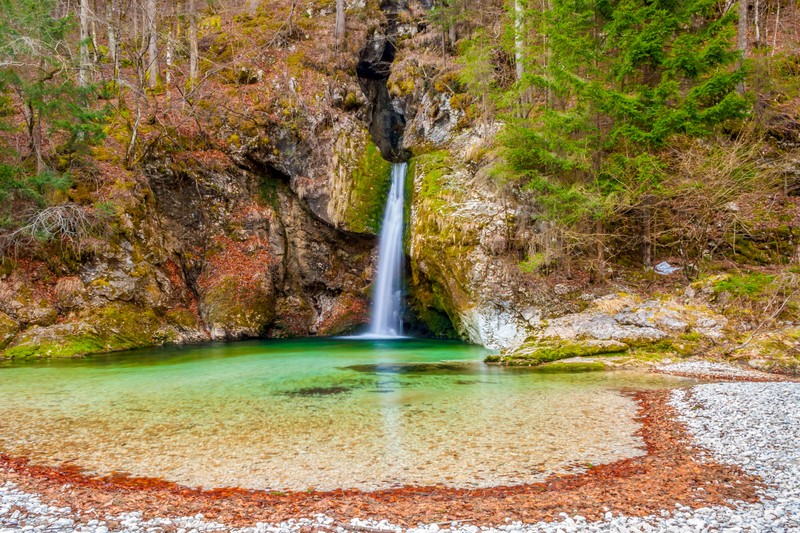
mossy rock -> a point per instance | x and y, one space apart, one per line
349 312
8 329
564 367
182 318
28 308
371 180
62 340
107 329
776 351
294 317
536 352
233 308
765 247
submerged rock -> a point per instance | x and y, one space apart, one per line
318 391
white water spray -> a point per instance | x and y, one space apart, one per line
387 319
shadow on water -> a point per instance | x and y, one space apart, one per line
415 368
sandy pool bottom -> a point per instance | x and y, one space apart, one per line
318 414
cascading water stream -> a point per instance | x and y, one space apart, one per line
387 320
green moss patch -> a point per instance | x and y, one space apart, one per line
745 285
432 167
429 309
183 318
371 182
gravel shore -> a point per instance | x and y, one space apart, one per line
716 371
752 425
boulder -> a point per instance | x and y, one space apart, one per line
535 351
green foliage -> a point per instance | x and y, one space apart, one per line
446 14
38 66
16 184
109 209
477 68
607 84
268 191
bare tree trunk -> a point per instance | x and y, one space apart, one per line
192 43
152 44
93 32
83 74
135 9
134 135
647 231
34 135
111 23
172 34
519 37
290 21
741 41
444 46
139 39
339 29
39 136
775 33
757 25
601 252
741 38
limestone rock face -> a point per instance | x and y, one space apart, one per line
19 301
214 252
459 227
613 324
633 321
359 183
261 262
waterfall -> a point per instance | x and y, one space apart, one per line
387 320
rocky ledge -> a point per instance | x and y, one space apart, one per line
615 324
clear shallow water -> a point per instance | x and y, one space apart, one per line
321 413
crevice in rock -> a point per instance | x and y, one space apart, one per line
374 68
